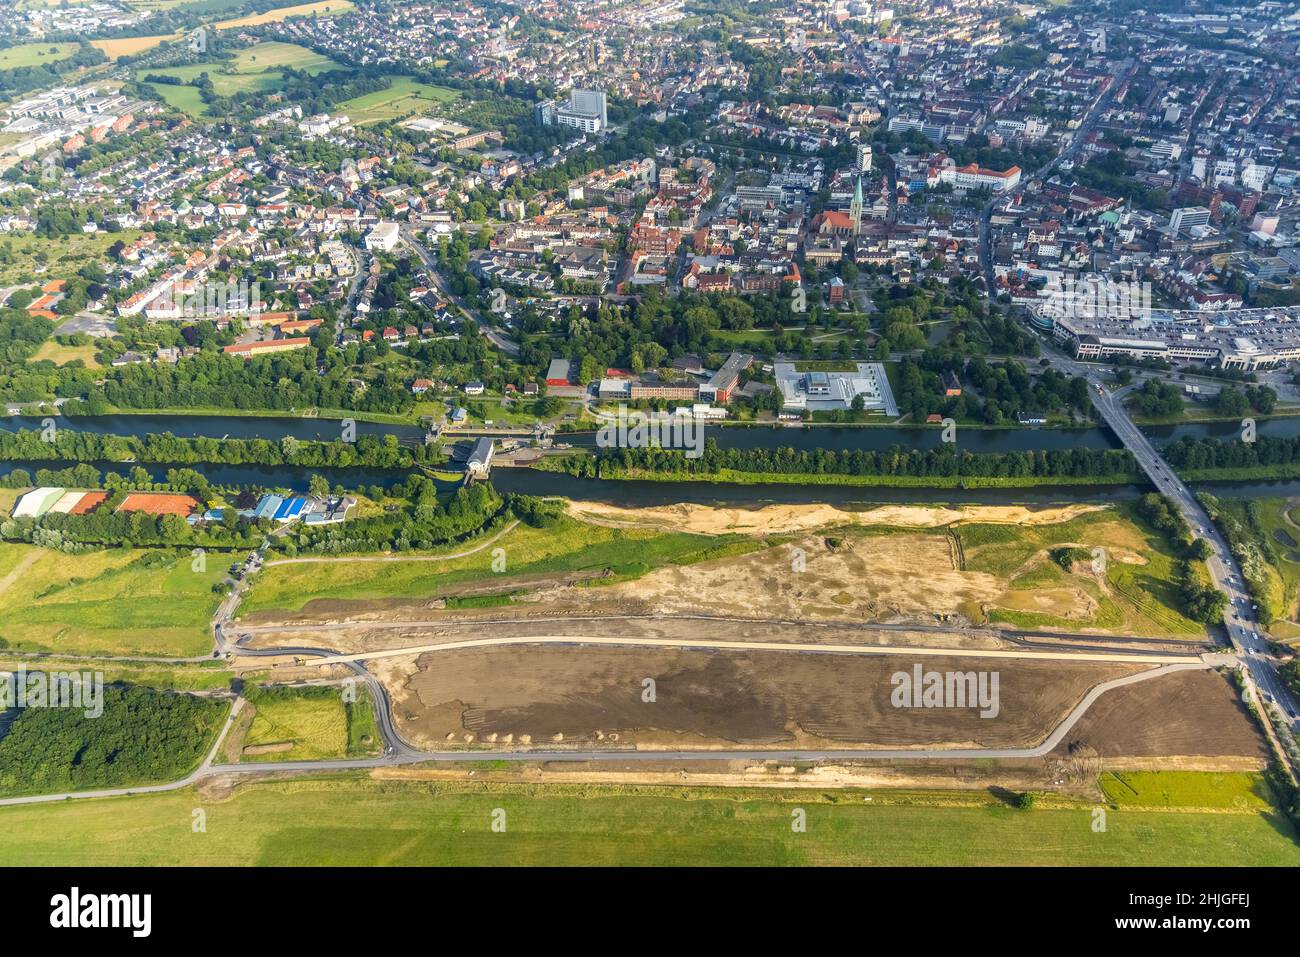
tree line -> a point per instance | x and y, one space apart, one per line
69 445
919 463
1194 454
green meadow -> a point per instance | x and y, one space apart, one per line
568 546
347 819
114 601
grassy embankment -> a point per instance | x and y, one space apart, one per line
568 546
1134 592
734 477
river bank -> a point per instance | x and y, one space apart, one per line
734 477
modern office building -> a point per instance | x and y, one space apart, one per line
586 110
1187 218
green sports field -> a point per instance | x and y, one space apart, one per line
349 820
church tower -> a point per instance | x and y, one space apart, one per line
855 208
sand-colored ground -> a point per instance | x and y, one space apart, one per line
783 519
130 46
373 636
908 577
857 578
969 775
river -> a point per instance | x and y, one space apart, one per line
633 494
839 438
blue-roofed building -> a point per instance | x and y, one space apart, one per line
290 509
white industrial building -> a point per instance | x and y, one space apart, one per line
819 391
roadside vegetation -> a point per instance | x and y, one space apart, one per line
1265 539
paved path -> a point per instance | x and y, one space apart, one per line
419 757
709 644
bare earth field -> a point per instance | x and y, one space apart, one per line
594 695
873 578
892 577
931 566
1192 714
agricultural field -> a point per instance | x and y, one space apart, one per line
406 97
1173 789
591 696
117 601
272 54
185 99
318 9
119 47
35 54
296 724
130 46
352 820
568 547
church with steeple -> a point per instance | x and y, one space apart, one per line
855 208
